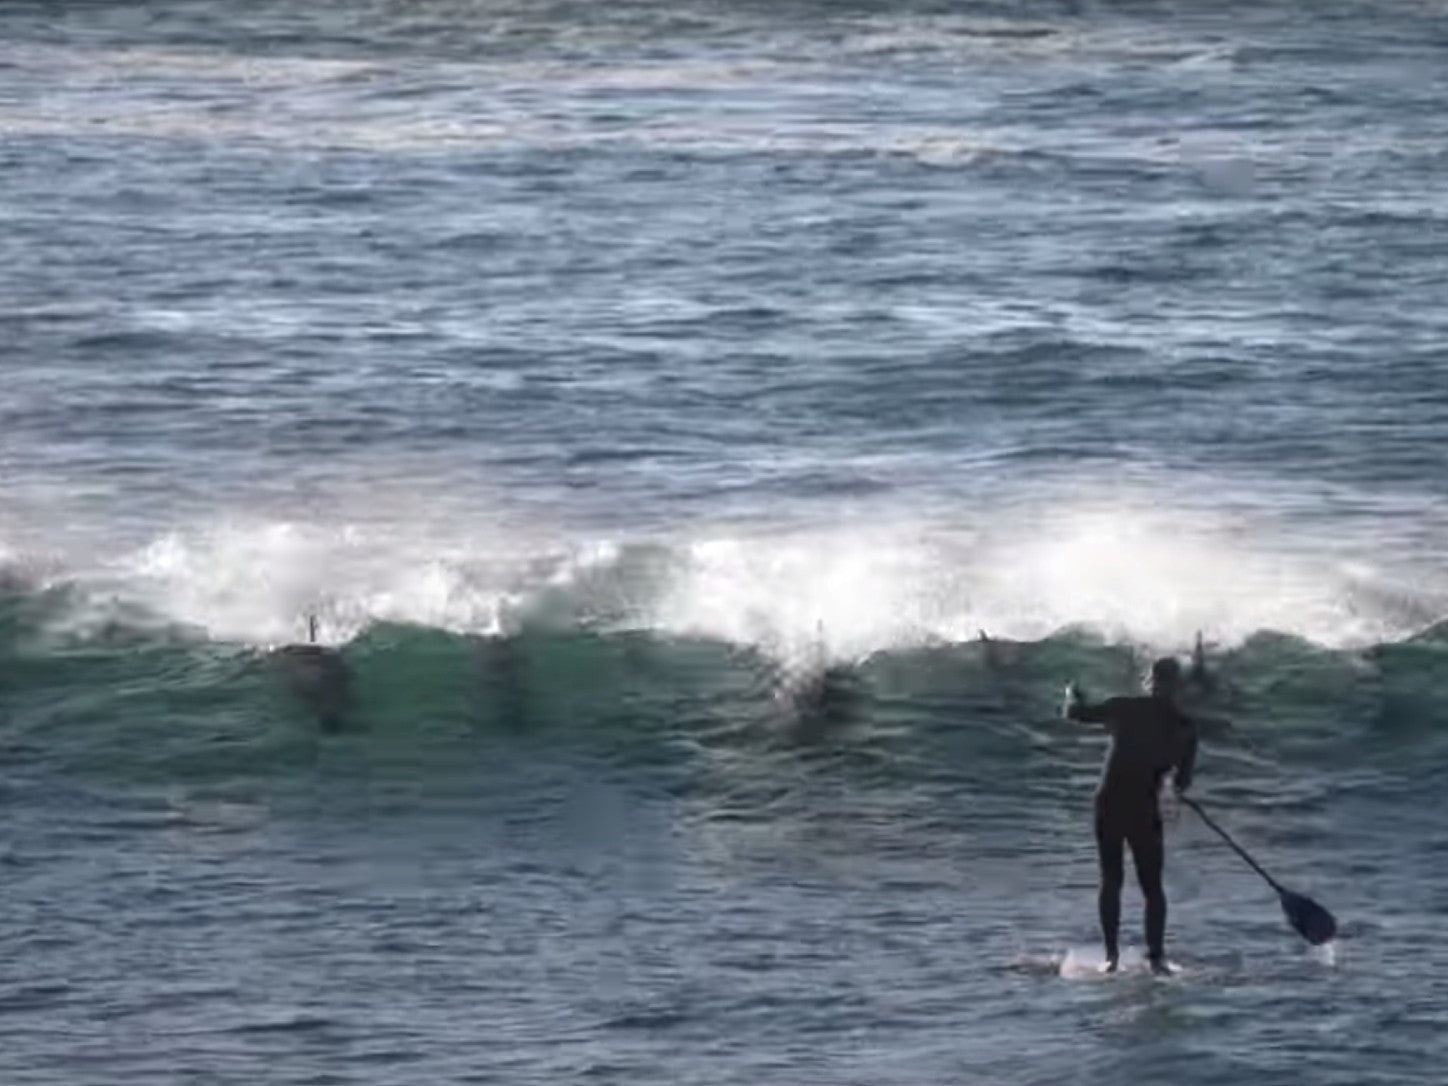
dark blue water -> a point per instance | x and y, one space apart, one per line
596 374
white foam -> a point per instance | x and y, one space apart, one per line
1089 963
848 593
253 581
1131 571
1157 575
1135 571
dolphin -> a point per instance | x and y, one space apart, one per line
819 695
318 677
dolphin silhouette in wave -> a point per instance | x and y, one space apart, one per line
319 678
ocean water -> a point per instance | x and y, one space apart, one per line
600 377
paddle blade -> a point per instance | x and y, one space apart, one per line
1312 921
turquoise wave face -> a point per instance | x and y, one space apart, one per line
162 704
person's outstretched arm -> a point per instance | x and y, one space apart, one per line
1076 708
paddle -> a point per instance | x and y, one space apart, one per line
1311 920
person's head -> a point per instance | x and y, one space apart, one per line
1166 676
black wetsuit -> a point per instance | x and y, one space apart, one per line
1149 737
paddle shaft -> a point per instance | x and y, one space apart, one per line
1238 849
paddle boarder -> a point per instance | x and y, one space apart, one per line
1150 736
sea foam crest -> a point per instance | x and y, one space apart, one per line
1153 577
1140 574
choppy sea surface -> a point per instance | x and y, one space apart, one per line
652 402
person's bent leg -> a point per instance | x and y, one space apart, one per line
1110 854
